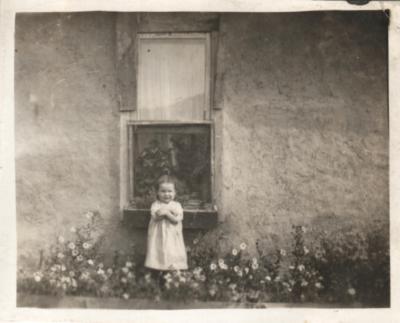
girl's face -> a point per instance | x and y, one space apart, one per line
166 192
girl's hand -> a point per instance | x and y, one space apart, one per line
160 215
171 217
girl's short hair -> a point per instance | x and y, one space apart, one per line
165 179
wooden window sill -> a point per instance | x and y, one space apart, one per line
192 219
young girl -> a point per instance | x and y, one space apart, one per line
165 245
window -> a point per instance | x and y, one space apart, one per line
182 151
172 132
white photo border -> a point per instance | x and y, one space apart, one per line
8 309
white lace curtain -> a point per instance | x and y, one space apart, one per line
172 78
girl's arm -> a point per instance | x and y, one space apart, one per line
176 214
155 211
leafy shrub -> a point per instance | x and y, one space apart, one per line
333 267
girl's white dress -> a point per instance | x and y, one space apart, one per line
165 244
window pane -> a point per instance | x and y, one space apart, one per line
172 79
180 151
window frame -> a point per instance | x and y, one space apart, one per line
208 118
131 151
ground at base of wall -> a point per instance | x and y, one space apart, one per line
46 301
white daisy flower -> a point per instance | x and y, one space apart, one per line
37 277
86 245
212 291
351 291
301 267
318 285
304 283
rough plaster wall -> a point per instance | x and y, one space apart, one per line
305 137
67 135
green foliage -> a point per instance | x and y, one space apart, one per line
350 266
193 158
191 169
152 163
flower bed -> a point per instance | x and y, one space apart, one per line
346 267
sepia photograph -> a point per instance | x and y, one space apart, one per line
202 160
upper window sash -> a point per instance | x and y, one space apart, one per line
173 80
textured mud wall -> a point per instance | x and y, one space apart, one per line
67 124
305 134
304 122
